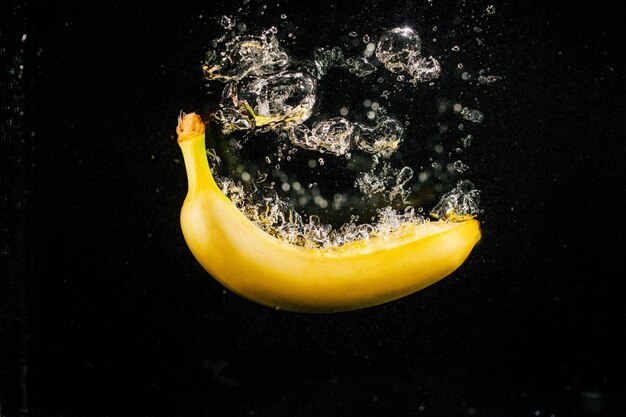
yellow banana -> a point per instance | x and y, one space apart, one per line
269 271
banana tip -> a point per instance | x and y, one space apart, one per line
189 125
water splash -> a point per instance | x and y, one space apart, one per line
241 56
278 218
274 101
328 136
267 90
459 204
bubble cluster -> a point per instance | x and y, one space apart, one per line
276 100
329 136
261 92
400 50
461 203
266 90
278 218
383 179
241 56
475 116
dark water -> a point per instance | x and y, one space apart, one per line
103 310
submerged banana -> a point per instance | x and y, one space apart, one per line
269 271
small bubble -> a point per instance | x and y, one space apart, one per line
283 16
227 22
365 38
400 78
353 34
321 161
487 79
460 66
467 140
475 116
459 166
456 48
268 160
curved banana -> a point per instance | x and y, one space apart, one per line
269 271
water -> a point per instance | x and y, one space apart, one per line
277 103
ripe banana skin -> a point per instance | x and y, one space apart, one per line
269 271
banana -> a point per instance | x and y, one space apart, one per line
275 273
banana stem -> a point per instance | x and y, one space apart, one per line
191 141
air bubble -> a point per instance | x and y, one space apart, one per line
459 166
459 204
382 139
475 116
488 79
399 50
227 22
234 59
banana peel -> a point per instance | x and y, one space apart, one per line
277 274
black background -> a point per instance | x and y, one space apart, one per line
105 312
